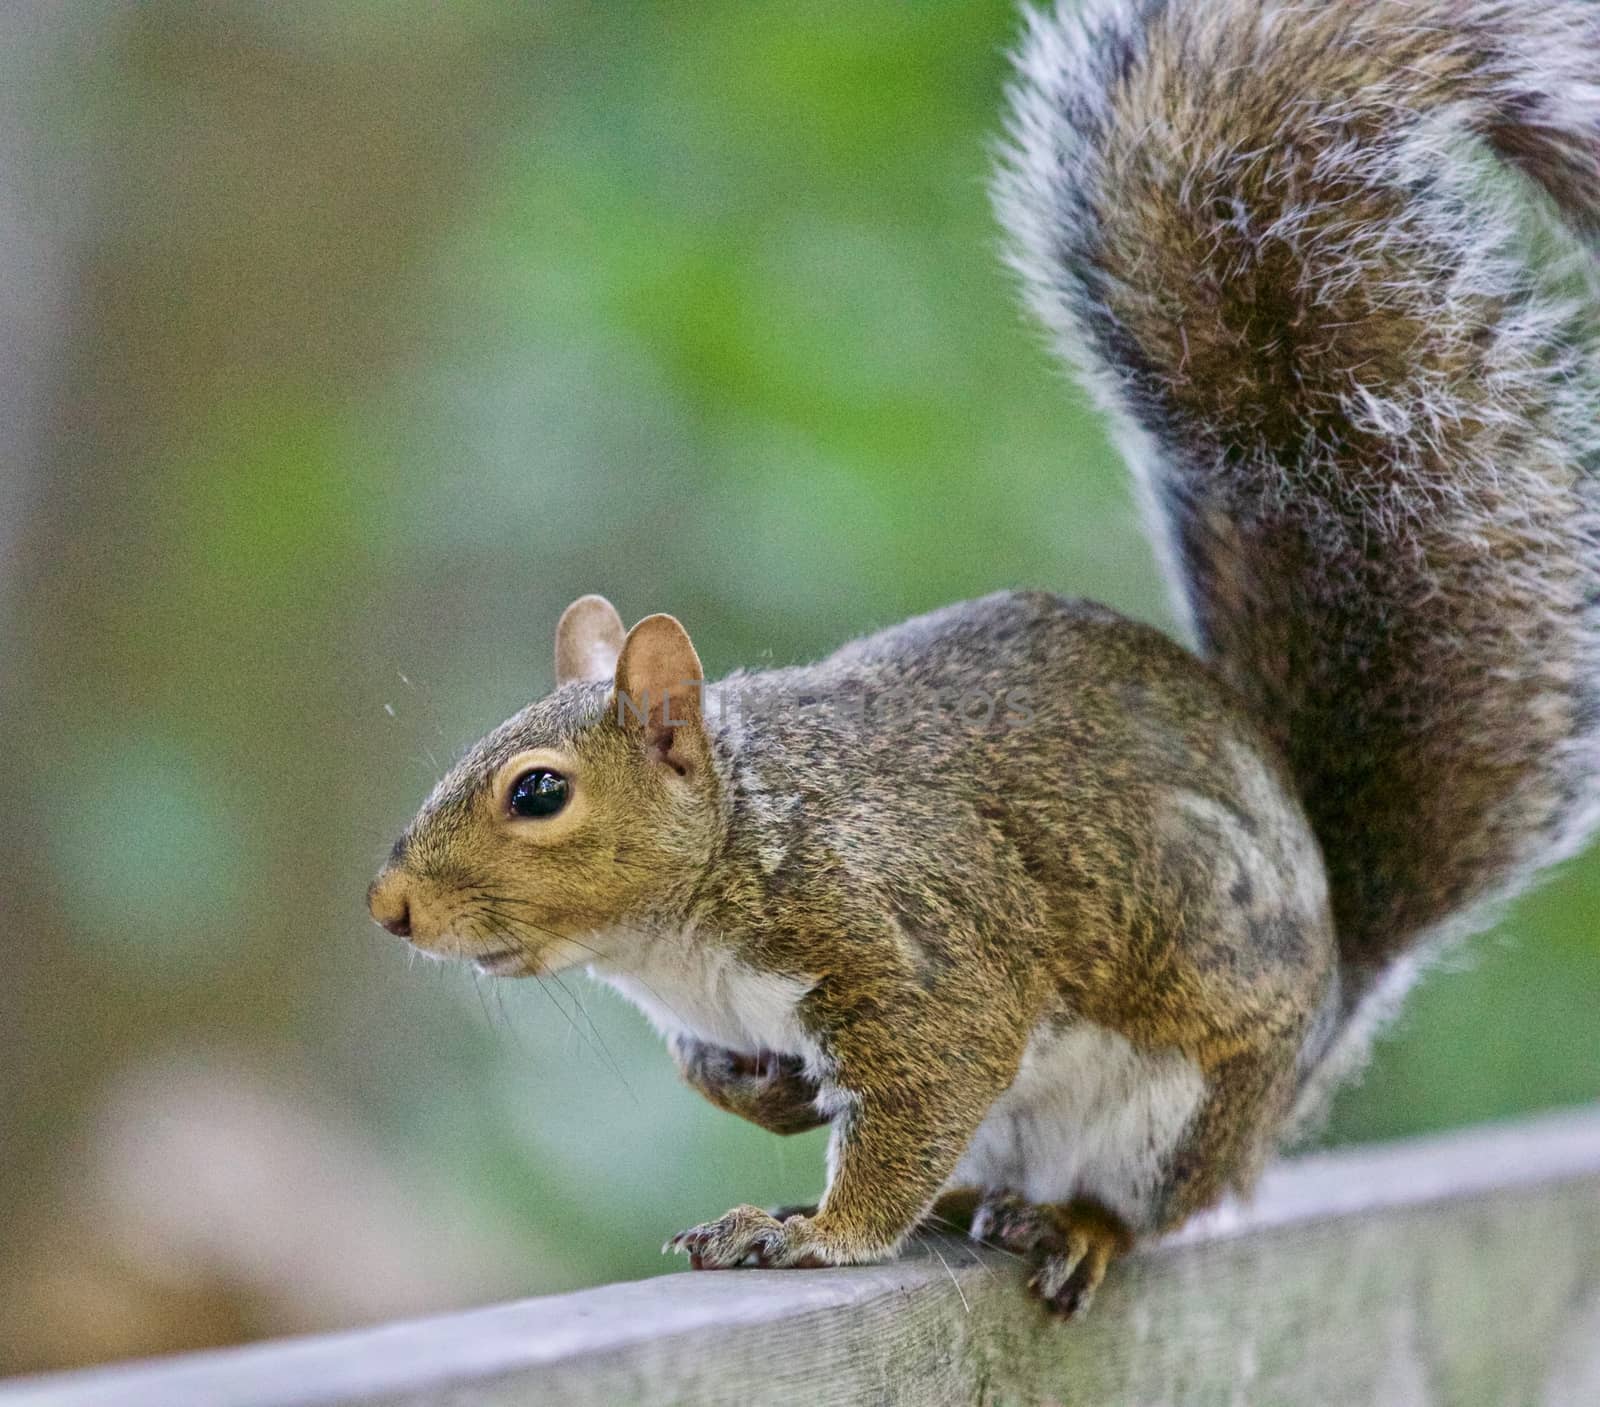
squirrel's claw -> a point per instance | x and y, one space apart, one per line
1013 1224
748 1235
1072 1242
1066 1281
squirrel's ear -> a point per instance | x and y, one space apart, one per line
588 641
658 686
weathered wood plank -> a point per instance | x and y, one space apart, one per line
1458 1270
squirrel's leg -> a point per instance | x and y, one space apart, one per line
774 1093
889 1163
1231 1136
1073 1243
1222 1150
900 1130
771 1091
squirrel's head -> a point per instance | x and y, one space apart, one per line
561 835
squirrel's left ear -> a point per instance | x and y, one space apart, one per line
588 641
658 687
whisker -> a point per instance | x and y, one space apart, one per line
477 986
427 704
478 917
946 1264
491 904
963 1233
583 1037
498 988
629 972
578 1002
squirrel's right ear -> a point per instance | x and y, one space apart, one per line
589 638
658 692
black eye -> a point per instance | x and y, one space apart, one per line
540 792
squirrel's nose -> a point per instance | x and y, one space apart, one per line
388 904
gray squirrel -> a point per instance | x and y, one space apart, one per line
1070 967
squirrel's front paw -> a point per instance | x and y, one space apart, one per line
771 1091
748 1235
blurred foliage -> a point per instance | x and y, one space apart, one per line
384 331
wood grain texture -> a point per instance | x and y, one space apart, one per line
1459 1270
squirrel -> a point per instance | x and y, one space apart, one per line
1060 926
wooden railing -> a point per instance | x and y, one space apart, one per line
1457 1270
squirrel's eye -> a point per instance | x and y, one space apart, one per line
540 792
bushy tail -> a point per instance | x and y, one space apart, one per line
1366 431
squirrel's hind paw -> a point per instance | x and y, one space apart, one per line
1065 1282
1013 1224
1073 1243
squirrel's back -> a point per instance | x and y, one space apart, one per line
1367 433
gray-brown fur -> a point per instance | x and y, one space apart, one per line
1369 439
1060 944
1076 826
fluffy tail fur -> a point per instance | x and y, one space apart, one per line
1366 431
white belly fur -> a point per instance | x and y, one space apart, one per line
702 990
1089 1115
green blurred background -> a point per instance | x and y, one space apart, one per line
341 344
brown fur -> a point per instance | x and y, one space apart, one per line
1368 439
1370 436
936 893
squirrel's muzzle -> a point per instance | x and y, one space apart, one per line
389 903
